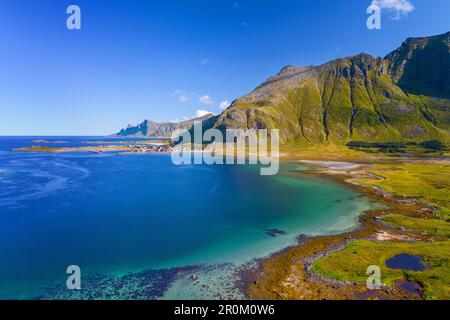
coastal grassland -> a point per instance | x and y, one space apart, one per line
427 182
428 226
415 192
351 263
322 152
38 149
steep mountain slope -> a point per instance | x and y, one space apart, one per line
422 66
151 129
403 97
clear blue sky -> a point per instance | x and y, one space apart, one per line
134 60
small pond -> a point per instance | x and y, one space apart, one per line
406 262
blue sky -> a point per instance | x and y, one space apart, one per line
165 60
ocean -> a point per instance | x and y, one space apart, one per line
139 227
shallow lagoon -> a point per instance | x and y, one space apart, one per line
115 214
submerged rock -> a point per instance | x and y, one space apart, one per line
275 232
194 277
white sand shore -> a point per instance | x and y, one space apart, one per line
334 165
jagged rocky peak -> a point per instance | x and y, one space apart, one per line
292 70
352 66
151 129
366 61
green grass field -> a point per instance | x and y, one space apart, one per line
429 226
351 264
429 183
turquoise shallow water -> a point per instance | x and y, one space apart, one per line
115 214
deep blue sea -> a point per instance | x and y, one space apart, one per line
123 217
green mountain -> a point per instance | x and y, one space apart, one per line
402 97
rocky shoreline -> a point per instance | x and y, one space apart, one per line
288 275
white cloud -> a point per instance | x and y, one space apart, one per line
398 7
224 104
181 95
177 92
204 61
201 113
183 98
206 100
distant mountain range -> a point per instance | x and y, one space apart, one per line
402 97
151 129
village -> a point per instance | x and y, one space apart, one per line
150 148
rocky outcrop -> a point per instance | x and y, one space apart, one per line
151 129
